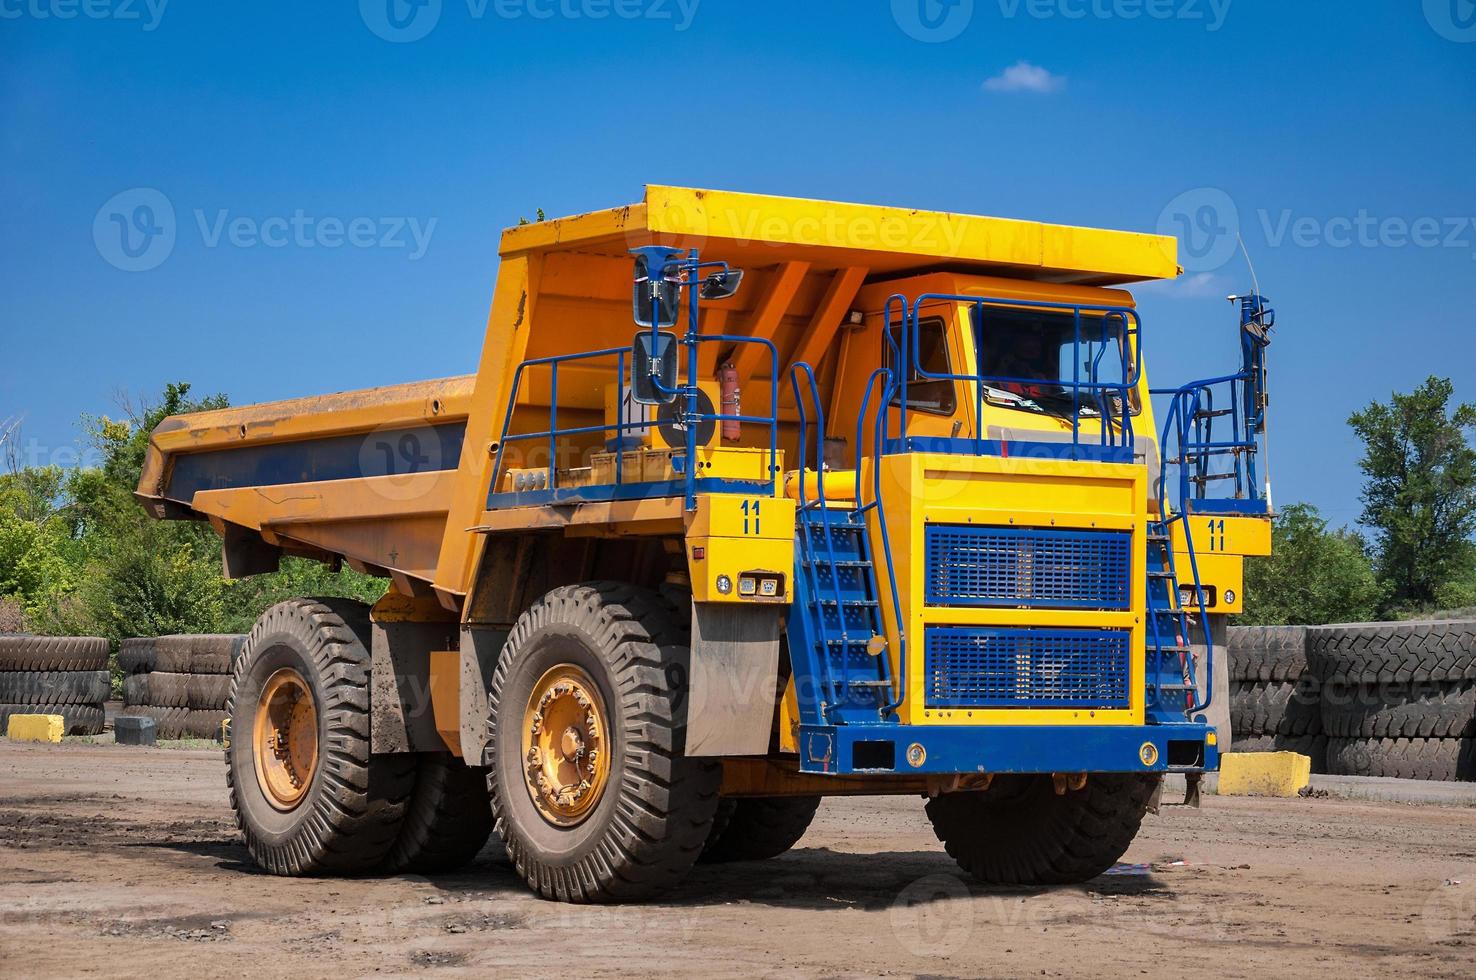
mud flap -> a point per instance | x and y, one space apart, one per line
734 684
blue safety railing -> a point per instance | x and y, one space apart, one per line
691 417
855 518
1199 457
1107 326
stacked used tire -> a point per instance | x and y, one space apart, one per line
54 675
181 681
1398 699
1275 703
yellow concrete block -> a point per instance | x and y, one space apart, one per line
1264 773
36 728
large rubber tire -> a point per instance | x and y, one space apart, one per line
20 652
136 655
1435 710
1020 832
168 722
448 820
77 719
758 828
208 692
1446 759
204 724
1267 653
648 827
354 804
162 689
1313 747
54 686
1275 708
206 653
1393 653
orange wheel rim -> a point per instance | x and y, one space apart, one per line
285 736
566 745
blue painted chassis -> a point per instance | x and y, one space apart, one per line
829 749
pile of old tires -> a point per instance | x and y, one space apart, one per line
181 681
1398 699
1275 703
54 675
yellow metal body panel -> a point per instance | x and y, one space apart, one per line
731 536
1221 545
919 489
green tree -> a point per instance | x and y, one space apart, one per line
1419 494
1312 576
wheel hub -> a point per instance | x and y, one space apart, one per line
565 745
285 737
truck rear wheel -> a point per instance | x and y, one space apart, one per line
1021 832
758 828
309 796
447 821
591 791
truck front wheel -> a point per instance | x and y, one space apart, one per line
1020 831
309 796
591 792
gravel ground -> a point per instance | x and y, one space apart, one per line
124 862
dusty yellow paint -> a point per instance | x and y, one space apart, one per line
1263 773
36 728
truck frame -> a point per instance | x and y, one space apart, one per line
895 517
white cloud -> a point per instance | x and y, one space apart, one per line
1022 76
1198 286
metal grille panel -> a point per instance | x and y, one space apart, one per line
975 565
1001 667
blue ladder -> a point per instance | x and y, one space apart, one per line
1170 667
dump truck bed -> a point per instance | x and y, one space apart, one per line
395 480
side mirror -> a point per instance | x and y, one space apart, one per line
653 359
721 285
655 301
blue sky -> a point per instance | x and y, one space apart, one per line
1338 137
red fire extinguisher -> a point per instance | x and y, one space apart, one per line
727 377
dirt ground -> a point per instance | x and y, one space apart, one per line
124 862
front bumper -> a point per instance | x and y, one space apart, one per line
943 749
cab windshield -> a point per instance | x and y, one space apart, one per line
1027 359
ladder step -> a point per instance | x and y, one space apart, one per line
838 563
877 684
1177 687
1213 413
1159 538
1213 476
850 603
847 643
1160 573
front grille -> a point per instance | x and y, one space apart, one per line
976 565
1007 667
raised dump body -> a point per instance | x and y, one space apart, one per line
895 516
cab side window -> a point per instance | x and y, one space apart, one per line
936 397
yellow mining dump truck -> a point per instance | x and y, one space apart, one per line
681 559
